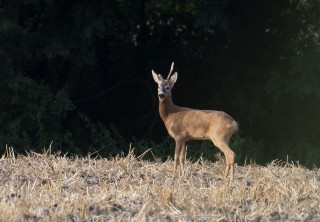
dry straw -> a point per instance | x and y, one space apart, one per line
50 187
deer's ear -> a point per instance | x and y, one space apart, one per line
157 78
173 78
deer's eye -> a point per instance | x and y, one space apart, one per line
167 87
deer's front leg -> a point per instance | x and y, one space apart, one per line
182 156
177 151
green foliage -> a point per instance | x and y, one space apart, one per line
105 141
32 115
303 152
259 62
211 16
247 149
162 150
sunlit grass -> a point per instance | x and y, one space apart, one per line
49 187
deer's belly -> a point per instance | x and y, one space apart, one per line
188 134
196 135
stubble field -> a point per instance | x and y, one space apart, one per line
48 187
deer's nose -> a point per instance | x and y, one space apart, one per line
161 95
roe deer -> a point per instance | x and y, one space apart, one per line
190 124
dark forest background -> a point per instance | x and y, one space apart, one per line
78 73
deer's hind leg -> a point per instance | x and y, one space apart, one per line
229 154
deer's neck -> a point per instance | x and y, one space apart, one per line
166 107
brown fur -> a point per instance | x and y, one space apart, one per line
185 124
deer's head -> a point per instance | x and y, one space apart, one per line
165 85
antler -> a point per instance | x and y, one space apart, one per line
171 69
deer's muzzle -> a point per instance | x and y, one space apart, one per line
161 95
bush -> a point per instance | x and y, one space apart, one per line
31 114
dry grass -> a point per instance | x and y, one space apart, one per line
46 187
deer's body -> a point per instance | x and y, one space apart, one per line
185 124
192 124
